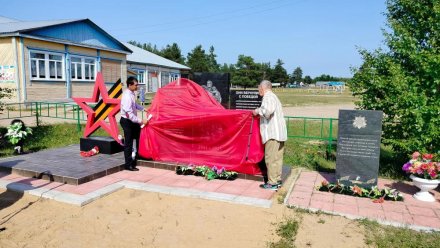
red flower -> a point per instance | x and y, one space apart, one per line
380 200
427 156
324 183
357 190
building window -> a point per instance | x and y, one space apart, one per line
165 79
140 76
174 77
47 66
83 68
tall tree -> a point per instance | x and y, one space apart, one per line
213 66
279 74
404 80
326 78
265 71
297 75
173 53
308 80
246 73
198 60
146 46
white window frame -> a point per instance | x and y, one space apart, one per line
142 80
46 66
84 66
174 76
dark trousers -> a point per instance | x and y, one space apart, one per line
131 131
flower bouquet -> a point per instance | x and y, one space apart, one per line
425 173
422 166
207 172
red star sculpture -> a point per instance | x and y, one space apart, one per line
108 106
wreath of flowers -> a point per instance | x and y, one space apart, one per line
378 195
92 152
207 172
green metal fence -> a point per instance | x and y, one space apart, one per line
59 110
324 129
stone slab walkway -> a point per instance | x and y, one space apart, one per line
239 191
410 213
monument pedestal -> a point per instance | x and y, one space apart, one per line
106 145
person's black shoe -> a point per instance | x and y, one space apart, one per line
132 169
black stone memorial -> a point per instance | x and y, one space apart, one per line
216 84
358 150
245 99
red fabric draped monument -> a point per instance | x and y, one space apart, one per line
189 126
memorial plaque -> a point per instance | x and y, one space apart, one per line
245 99
358 150
216 84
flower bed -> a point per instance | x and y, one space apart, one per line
378 195
207 172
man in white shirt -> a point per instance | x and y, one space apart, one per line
273 134
130 122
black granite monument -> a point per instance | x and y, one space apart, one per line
245 99
358 150
106 145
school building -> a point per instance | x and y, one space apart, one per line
57 60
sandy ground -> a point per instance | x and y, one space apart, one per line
130 218
324 111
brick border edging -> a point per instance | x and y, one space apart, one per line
357 217
289 192
81 200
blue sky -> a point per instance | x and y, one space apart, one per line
320 36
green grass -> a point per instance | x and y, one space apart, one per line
47 136
287 231
307 97
380 236
311 154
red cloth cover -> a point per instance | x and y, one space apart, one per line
189 126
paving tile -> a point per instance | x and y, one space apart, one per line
299 202
303 188
229 189
372 213
345 209
394 216
433 222
391 206
300 194
106 180
164 181
437 211
183 183
328 197
208 186
420 211
257 192
305 182
368 203
321 205
308 175
345 199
